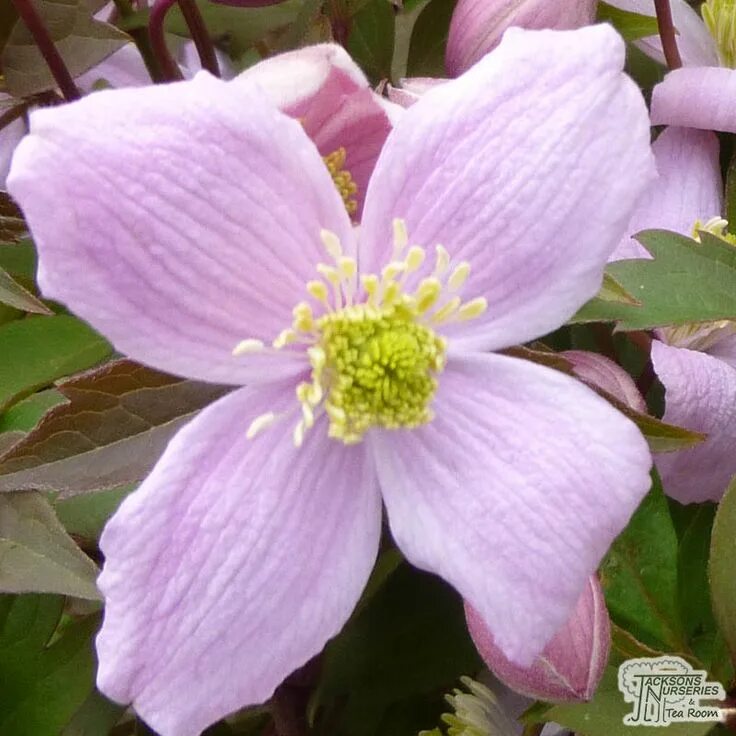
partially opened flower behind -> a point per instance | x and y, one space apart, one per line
696 363
702 93
199 229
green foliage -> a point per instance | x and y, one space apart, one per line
429 39
388 669
721 570
639 576
39 350
371 39
82 41
632 26
116 423
686 282
45 674
36 553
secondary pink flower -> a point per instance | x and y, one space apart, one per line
696 363
703 93
688 188
194 223
326 91
571 665
478 25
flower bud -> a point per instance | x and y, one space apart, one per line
571 665
477 25
603 373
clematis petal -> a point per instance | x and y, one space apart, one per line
477 25
696 97
700 394
530 176
514 492
233 564
725 349
689 188
178 220
696 45
327 92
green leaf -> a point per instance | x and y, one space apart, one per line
662 437
12 293
22 417
722 567
410 641
613 291
86 515
429 40
96 717
603 716
36 553
12 225
695 605
39 350
237 28
632 26
686 282
639 576
82 41
42 683
117 422
371 40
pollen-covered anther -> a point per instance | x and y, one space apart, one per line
717 226
343 179
375 363
719 17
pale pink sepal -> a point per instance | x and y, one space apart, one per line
571 665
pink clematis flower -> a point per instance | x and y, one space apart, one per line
477 26
326 91
696 363
124 68
198 228
702 93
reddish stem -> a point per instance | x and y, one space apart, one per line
202 40
197 29
48 50
668 34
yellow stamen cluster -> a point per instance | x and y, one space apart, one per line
343 179
373 350
476 712
720 19
715 226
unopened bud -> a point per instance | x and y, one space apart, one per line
477 25
603 373
571 665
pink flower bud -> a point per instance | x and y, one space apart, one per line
248 3
477 25
571 665
603 373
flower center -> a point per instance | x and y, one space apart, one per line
720 19
343 179
374 353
